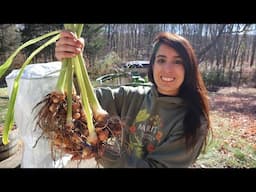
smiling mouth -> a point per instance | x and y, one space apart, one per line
168 79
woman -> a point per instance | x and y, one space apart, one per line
166 125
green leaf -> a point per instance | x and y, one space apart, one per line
4 67
10 113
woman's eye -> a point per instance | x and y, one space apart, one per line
178 62
160 61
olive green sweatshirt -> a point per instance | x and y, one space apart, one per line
153 134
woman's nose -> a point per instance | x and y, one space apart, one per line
169 66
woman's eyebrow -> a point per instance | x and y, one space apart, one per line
176 56
160 56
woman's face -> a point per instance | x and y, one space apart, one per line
168 70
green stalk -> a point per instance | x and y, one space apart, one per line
98 112
79 29
62 77
10 113
69 83
92 138
69 80
4 67
85 98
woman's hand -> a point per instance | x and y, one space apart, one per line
68 45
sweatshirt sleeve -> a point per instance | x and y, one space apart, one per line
123 101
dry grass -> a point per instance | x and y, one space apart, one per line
233 116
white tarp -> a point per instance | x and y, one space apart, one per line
37 81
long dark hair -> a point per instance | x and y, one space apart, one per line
192 90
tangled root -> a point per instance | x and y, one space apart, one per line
73 138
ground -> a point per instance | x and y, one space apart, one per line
233 117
